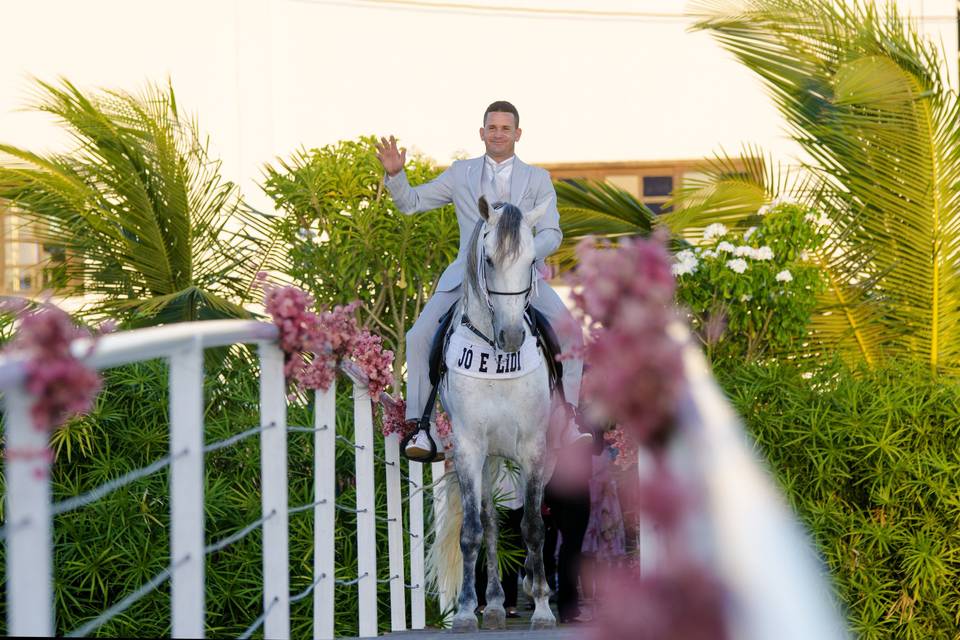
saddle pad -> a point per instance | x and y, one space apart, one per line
470 356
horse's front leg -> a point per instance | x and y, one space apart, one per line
469 473
494 615
535 580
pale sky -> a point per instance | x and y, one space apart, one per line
267 76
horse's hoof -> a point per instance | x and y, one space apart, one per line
494 618
542 622
465 624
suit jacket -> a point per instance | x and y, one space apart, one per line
460 184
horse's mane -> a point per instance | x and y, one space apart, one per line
473 256
508 246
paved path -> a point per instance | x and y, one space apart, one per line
517 629
560 633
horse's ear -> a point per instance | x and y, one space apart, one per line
533 216
484 209
490 215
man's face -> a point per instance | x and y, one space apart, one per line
499 135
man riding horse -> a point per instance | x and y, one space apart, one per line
500 177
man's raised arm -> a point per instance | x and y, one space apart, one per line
409 199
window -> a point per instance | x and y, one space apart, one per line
23 261
650 182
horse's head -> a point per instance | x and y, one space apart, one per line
507 264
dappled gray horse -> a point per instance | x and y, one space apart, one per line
493 415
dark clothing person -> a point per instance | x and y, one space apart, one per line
569 514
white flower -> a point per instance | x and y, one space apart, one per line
763 253
686 262
746 297
725 246
806 375
784 276
810 217
805 255
749 232
764 210
714 230
709 253
363 204
742 251
739 265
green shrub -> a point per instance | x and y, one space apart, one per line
870 459
749 294
347 241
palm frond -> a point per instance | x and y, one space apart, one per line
861 90
598 209
139 206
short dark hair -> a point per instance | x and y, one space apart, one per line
502 106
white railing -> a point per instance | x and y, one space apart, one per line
29 511
777 585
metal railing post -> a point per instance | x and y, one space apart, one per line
29 543
366 516
186 491
324 489
273 469
418 618
398 593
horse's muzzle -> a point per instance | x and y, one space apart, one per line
510 340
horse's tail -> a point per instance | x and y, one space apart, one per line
444 560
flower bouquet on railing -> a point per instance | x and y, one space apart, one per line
60 383
624 295
317 345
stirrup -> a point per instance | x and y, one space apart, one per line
418 446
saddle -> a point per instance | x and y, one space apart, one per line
541 330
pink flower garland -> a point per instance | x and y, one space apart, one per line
625 296
316 344
63 387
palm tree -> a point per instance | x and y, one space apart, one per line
150 230
862 94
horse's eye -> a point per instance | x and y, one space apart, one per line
489 262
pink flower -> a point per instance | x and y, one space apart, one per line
339 330
376 362
444 429
685 604
627 293
318 374
62 385
394 417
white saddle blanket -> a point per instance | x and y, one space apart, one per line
471 356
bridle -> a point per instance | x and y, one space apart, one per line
487 291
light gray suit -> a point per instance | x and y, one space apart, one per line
460 184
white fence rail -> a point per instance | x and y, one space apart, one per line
28 529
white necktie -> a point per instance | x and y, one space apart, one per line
495 183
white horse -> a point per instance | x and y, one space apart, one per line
495 417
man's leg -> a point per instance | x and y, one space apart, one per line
568 333
419 339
